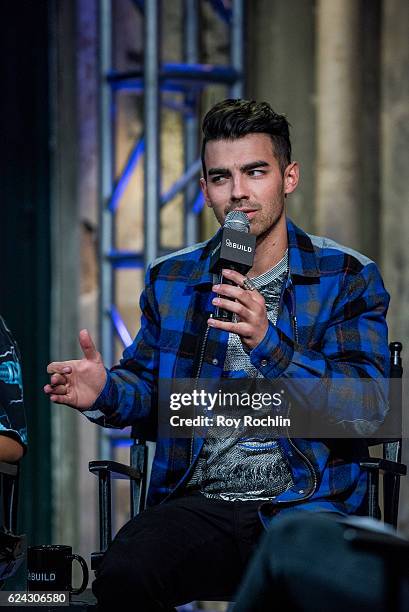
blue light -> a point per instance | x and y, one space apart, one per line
177 77
120 327
126 259
120 442
181 183
223 9
198 203
127 171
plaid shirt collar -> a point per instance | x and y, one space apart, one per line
301 257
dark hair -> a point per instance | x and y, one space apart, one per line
231 119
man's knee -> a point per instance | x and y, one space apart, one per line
123 580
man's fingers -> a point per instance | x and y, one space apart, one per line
234 276
57 367
240 328
246 305
57 390
238 293
245 294
224 325
58 379
237 307
234 292
88 346
59 399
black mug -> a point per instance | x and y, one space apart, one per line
49 568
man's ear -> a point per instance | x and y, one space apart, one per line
291 177
203 187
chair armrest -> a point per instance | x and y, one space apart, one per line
118 470
106 470
391 467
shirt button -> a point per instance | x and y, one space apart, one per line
301 491
215 361
264 362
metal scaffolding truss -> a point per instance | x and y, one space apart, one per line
190 79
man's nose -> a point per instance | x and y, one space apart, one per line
239 190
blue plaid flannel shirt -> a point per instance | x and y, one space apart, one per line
331 326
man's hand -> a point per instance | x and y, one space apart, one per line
249 306
78 382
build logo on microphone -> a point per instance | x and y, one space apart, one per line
239 247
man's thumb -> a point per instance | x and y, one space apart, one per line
87 345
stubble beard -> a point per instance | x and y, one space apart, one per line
267 220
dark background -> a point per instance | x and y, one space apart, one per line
25 235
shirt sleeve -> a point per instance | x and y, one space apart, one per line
347 378
12 415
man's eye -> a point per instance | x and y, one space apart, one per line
218 179
256 172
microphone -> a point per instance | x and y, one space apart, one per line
234 251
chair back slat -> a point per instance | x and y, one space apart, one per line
392 449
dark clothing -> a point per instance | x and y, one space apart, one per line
12 416
185 549
310 564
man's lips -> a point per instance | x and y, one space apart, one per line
250 212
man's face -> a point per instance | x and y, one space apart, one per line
243 174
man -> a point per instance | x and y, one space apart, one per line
315 311
312 562
13 431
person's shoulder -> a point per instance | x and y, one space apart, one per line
333 255
190 253
356 271
180 264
